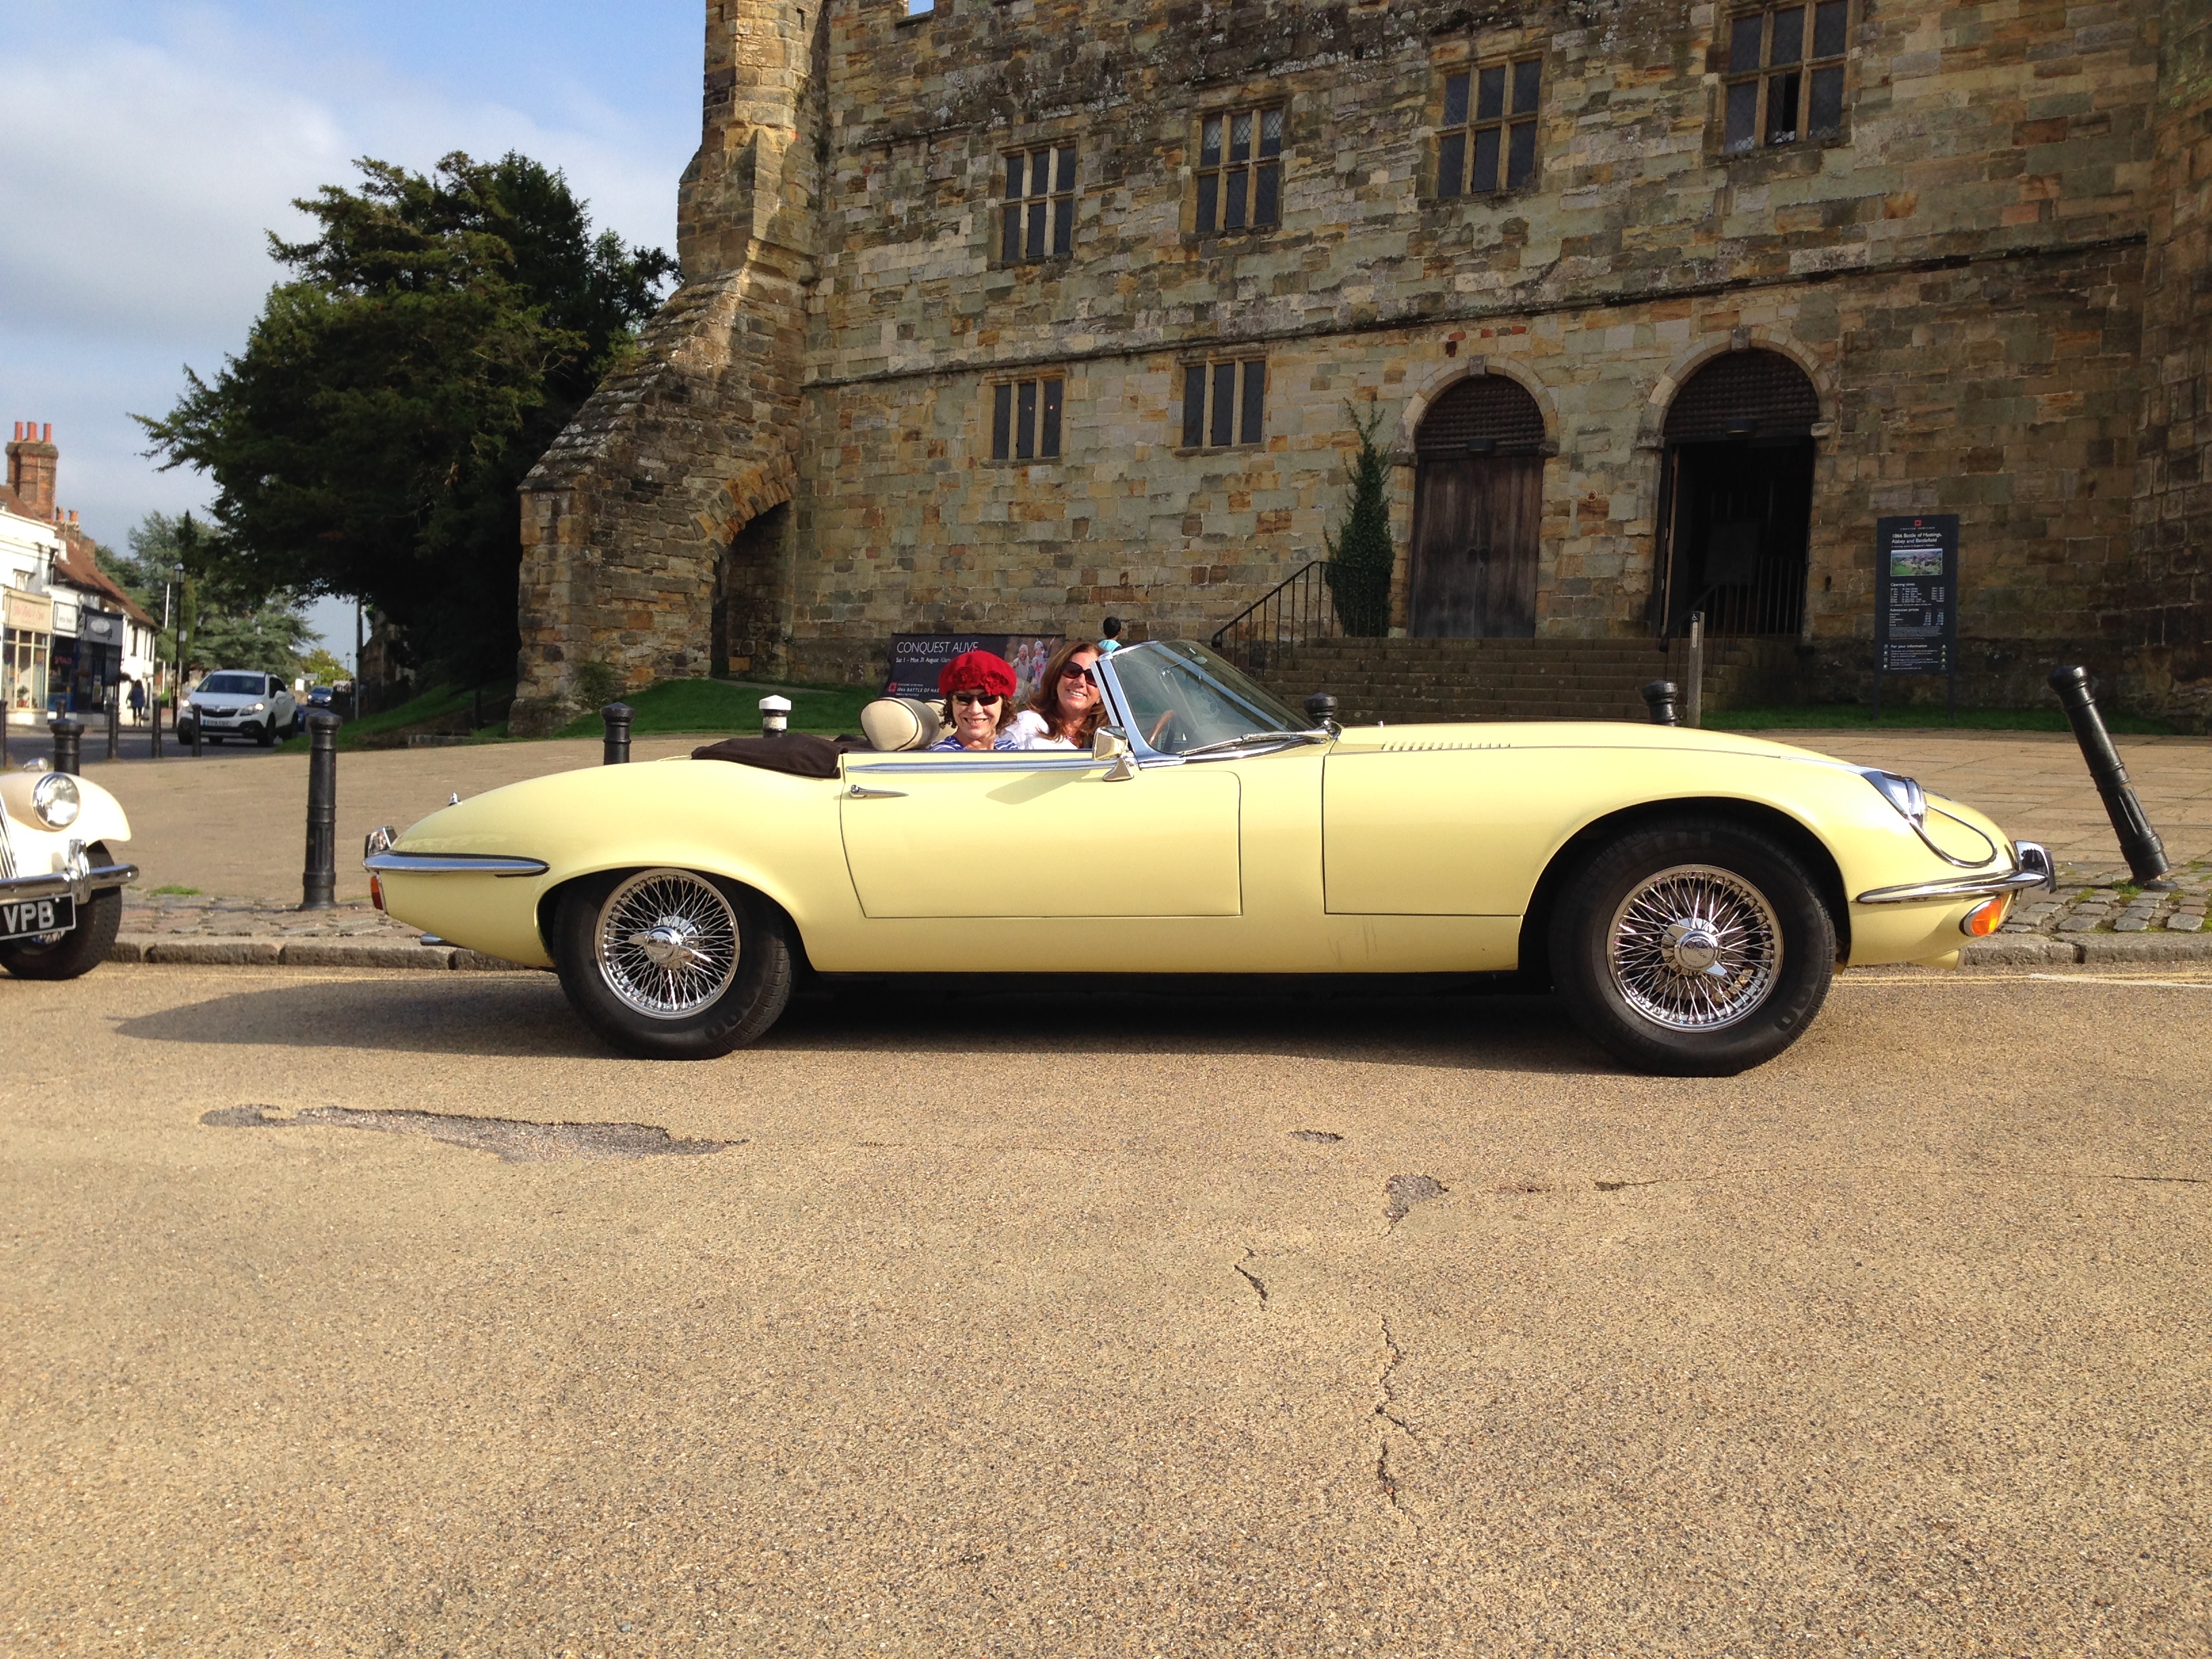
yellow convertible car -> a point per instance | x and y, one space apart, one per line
1688 893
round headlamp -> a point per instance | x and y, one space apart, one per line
57 800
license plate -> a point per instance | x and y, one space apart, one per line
29 918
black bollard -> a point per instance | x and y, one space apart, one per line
115 725
1321 709
196 733
1663 699
617 716
318 883
68 745
2139 842
154 731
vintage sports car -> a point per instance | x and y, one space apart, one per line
61 890
1688 893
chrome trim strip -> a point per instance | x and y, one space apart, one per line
451 864
2034 871
1003 760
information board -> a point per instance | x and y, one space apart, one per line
1916 619
918 659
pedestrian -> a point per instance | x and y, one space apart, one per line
138 702
1109 637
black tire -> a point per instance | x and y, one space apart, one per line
720 1006
1626 948
267 736
81 949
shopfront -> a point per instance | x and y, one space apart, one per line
27 642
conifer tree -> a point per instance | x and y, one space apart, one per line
1360 555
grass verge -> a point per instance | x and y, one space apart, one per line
1846 716
732 707
436 703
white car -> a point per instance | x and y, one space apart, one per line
234 702
61 888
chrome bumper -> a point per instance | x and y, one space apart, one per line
2034 870
78 881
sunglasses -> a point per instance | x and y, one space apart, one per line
1075 670
975 696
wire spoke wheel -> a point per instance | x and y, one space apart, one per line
666 944
1694 948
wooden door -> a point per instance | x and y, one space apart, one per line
1476 521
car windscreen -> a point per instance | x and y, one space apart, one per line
236 685
1182 697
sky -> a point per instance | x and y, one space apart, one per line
148 148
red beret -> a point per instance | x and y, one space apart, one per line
976 670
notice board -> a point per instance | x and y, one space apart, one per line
918 659
1916 618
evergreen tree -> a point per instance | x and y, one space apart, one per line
431 340
225 624
1361 557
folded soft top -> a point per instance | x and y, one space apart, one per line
795 752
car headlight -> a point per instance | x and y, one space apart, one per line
260 708
1906 796
57 800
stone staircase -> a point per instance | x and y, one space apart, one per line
1402 681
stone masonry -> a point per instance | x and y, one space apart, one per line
800 462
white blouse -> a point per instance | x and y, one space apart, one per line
1029 731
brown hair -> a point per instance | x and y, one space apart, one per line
1044 702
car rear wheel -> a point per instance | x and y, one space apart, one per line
1694 948
83 948
673 964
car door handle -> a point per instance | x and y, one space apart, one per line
859 792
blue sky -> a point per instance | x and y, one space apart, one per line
145 148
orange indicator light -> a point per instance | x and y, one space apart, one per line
376 891
1985 918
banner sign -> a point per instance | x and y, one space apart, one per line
1916 620
918 659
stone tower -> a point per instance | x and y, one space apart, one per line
628 521
2171 597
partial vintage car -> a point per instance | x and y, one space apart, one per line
61 887
1688 893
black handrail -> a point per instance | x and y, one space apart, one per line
1265 634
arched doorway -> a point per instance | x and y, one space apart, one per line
1477 507
1737 497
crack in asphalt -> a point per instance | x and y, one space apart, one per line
512 1141
1252 1278
1385 1476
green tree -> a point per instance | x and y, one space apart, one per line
431 340
227 621
1361 556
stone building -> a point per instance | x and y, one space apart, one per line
1004 314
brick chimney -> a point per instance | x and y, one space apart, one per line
32 462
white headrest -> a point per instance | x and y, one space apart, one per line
896 723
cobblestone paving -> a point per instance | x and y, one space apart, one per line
199 915
2094 899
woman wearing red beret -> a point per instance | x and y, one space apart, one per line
976 686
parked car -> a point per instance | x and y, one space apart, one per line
61 888
234 702
1688 893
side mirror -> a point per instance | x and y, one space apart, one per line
1111 742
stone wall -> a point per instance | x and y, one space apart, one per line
627 519
1960 274
2171 607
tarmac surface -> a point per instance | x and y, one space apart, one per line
352 1313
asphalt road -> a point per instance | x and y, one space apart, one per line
1030 1327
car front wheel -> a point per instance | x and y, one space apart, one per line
673 964
83 948
1694 948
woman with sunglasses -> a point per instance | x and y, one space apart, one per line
1066 708
978 687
